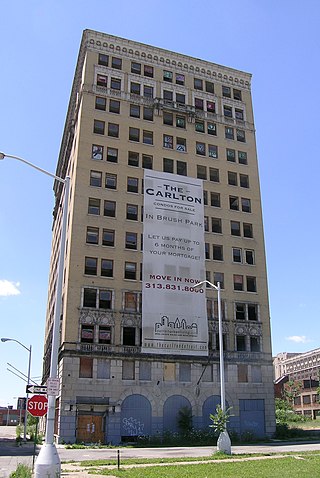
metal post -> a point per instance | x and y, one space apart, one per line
27 398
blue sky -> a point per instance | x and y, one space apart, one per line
276 41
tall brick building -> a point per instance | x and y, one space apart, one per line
139 114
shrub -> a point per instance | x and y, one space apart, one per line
22 471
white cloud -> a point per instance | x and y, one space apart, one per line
298 339
9 288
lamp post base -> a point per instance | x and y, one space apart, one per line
48 463
224 443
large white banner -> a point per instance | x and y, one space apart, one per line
174 318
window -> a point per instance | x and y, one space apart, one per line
237 94
130 270
112 155
254 344
237 254
185 372
168 118
104 335
180 121
206 223
131 301
87 334
92 236
239 114
167 165
232 178
252 312
148 91
114 106
209 87
242 157
90 298
226 91
167 76
198 84
115 84
229 132
97 152
242 373
241 135
133 159
135 88
251 284
94 206
136 68
147 137
98 127
216 225
180 98
101 103
240 311
218 277
108 236
181 145
244 180
237 282
109 209
128 370
231 155
106 268
212 128
132 185
235 228
147 161
147 113
179 79
167 141
249 257
129 336
214 175
201 149
131 241
113 130
145 370
134 134
201 172
91 266
205 198
135 111
213 151
245 205
227 111
103 59
148 71
116 63
105 299
132 212
167 96
215 199
102 80
217 252
111 181
199 126
182 168
198 103
207 250
306 399
85 367
234 203
247 230
96 178
241 343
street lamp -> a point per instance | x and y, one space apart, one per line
48 462
224 443
5 339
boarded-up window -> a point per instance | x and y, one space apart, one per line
103 368
128 372
185 372
242 373
145 371
85 369
169 372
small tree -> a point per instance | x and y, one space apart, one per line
291 390
185 419
219 424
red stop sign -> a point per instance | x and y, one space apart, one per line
38 405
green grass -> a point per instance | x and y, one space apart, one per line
295 466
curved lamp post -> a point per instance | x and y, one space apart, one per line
224 443
48 462
5 339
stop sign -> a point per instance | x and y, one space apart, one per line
38 405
